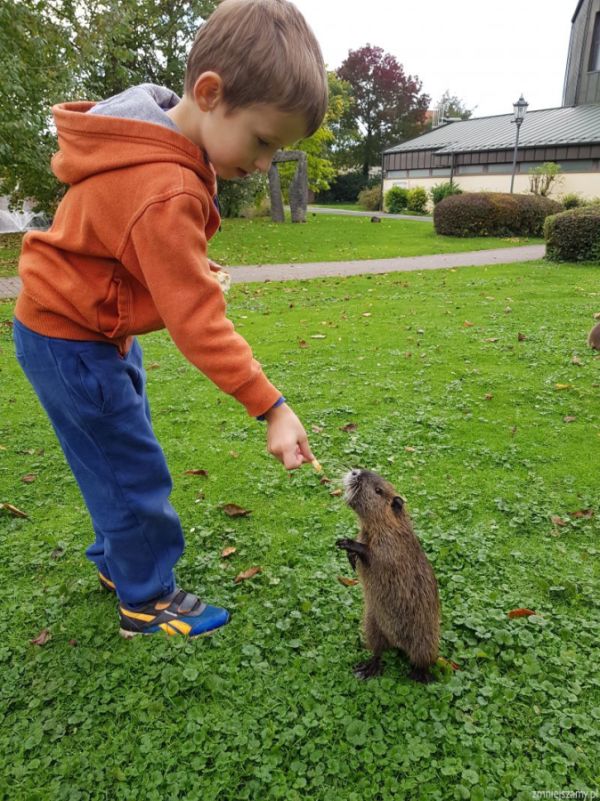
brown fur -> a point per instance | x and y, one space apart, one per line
594 337
401 602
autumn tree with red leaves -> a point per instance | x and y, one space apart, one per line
388 105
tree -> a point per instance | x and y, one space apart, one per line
58 50
453 106
388 104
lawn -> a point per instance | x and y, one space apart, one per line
474 392
322 238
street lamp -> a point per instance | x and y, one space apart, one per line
520 109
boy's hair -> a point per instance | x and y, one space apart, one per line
265 53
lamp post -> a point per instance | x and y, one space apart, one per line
520 109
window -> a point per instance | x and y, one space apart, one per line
594 65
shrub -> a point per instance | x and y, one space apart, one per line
234 196
543 176
446 189
396 199
493 214
573 201
345 188
573 235
370 199
417 199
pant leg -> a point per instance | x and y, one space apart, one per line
96 401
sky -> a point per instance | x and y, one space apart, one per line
486 53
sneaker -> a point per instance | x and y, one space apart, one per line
179 612
106 582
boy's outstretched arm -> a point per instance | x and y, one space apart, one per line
286 437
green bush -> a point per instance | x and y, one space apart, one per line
573 201
573 235
345 188
417 200
370 199
493 214
396 199
235 196
440 191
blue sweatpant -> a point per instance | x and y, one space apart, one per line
96 401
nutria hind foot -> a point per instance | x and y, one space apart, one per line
369 669
422 675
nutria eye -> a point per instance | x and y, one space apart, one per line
378 490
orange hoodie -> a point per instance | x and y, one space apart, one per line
126 253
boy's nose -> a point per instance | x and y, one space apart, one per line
263 164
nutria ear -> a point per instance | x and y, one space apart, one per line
397 504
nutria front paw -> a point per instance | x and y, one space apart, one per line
422 675
369 669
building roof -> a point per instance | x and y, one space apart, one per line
568 125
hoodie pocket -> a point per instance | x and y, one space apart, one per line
114 311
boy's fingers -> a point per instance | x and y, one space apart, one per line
305 450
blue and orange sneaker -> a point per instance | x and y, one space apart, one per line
106 582
179 612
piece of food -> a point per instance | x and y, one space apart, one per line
317 466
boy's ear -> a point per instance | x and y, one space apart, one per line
208 90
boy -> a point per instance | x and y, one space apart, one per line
126 254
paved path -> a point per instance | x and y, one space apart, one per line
351 213
9 287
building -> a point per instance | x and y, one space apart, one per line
478 153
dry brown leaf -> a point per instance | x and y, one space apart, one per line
317 429
569 419
336 493
488 396
347 582
468 324
520 613
153 366
303 343
366 314
349 427
247 574
203 473
521 337
576 360
228 551
587 513
447 663
562 386
325 480
409 449
12 509
233 510
234 454
491 339
558 521
29 478
73 643
42 638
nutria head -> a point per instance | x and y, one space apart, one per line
373 498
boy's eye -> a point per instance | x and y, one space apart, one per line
262 142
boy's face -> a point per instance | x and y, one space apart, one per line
244 140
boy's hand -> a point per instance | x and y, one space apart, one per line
286 438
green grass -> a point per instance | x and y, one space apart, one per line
322 238
345 206
268 708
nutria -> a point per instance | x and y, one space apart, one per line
594 337
401 603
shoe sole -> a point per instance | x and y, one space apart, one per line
129 635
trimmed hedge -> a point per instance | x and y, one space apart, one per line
573 235
493 214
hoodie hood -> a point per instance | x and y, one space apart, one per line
96 142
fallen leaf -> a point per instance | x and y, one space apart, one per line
507 310
247 574
29 478
491 339
12 509
73 643
325 480
227 552
447 663
203 473
576 360
234 454
558 521
521 337
336 492
233 510
596 315
153 366
366 314
409 449
569 419
521 613
347 582
349 427
42 638
303 344
468 324
317 429
587 513
57 553
562 386
488 396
